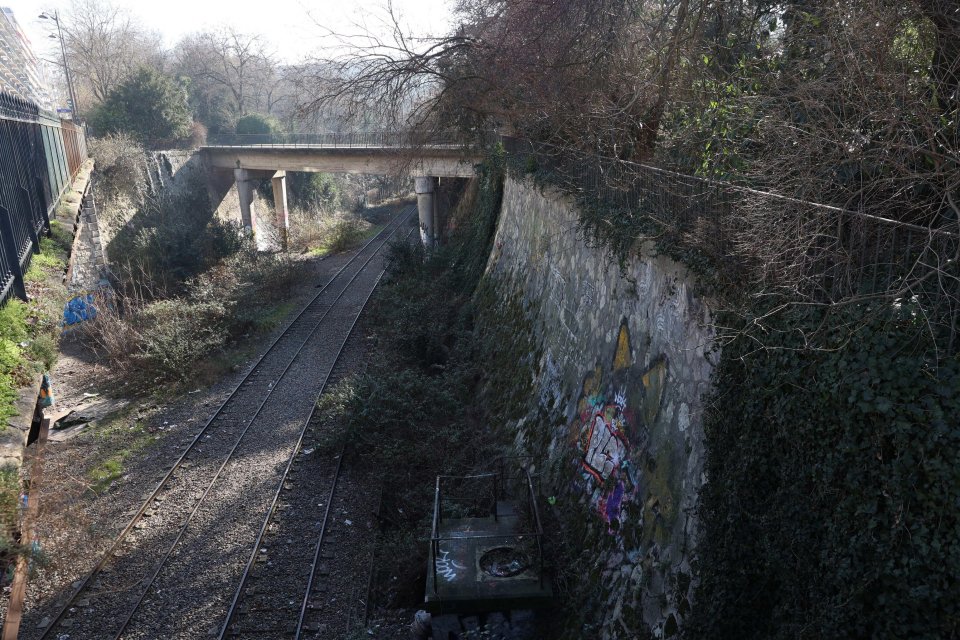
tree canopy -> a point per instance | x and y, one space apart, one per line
148 105
258 123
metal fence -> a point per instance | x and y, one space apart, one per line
763 242
39 157
337 140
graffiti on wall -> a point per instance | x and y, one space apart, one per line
617 408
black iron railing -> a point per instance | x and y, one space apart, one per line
39 157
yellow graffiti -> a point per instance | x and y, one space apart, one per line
654 383
591 387
622 359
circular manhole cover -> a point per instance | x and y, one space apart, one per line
504 562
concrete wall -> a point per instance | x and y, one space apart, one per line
627 361
173 171
168 173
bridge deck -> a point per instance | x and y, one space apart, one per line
361 157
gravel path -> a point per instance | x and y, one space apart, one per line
185 555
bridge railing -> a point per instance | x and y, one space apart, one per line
347 140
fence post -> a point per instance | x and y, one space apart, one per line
38 183
10 247
25 201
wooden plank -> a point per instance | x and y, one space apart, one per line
18 591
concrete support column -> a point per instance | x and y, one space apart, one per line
245 186
426 205
279 181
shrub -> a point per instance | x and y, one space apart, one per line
114 335
120 165
44 349
436 385
258 123
326 234
13 331
172 239
177 333
311 191
149 106
165 340
346 233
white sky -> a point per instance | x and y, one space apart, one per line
293 28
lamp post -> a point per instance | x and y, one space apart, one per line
66 69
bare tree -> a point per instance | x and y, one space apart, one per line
853 105
596 75
234 67
105 45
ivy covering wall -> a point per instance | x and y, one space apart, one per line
833 494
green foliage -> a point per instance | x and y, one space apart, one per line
44 260
345 234
177 333
121 436
314 190
183 338
213 109
171 240
258 123
832 508
13 331
419 307
105 473
30 331
149 106
450 368
392 409
44 350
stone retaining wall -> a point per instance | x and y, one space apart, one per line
627 359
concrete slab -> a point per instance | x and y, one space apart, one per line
466 578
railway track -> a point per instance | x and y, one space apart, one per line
301 579
170 572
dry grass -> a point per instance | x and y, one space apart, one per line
328 233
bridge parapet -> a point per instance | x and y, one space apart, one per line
345 139
426 157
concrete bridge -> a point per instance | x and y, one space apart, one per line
246 159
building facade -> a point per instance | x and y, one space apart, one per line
21 72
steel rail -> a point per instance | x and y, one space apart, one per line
402 217
159 567
237 596
323 528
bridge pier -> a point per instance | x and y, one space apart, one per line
279 182
427 209
245 186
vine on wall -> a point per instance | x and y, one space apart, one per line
832 507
